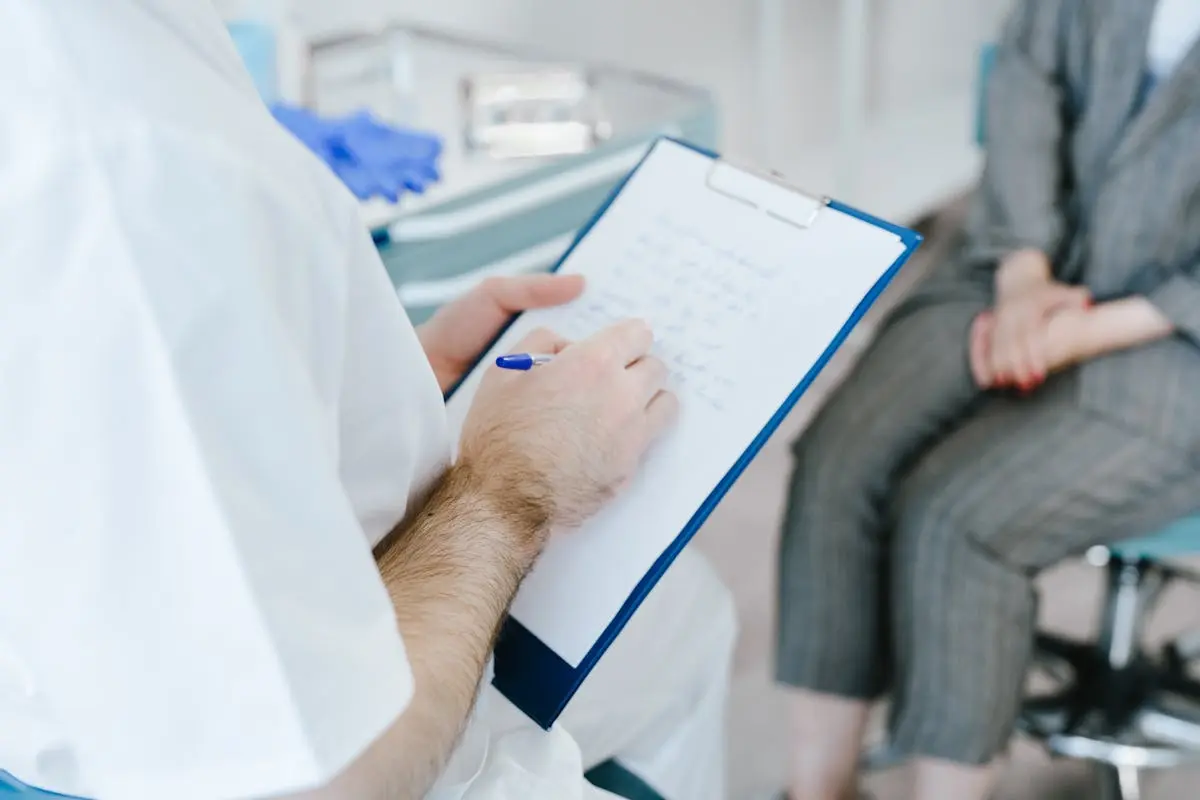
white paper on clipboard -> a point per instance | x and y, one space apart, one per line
746 285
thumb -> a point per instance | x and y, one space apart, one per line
519 293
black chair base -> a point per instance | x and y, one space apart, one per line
612 777
1119 706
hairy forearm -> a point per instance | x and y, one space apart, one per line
452 570
1122 324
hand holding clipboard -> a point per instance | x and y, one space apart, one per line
750 286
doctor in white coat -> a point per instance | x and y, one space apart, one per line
235 561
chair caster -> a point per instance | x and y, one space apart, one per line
1117 783
1115 705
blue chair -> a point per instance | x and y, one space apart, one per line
1116 703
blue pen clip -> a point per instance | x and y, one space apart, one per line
522 361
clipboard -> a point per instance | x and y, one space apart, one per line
531 673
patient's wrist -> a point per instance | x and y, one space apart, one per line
1121 324
1021 270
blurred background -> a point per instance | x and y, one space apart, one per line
883 90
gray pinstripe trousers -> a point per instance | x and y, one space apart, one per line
920 510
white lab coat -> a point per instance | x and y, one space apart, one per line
211 406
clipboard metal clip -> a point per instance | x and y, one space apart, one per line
768 192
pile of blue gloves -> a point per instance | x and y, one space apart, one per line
371 158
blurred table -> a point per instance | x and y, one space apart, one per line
488 215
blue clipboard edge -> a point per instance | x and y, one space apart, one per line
546 682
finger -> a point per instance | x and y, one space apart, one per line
650 375
980 330
524 292
1022 371
1033 358
1000 362
495 300
1004 363
391 185
1013 351
430 173
413 181
661 414
1040 355
625 341
542 340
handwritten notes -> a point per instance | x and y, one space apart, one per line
743 306
695 293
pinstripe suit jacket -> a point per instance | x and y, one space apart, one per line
1110 188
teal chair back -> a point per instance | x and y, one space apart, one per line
1180 538
987 58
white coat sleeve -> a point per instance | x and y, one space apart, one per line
181 573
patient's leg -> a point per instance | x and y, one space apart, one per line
1025 483
912 385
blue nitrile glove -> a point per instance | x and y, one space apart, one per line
371 158
378 159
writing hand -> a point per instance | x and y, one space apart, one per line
561 440
457 334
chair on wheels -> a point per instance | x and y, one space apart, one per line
1117 704
1121 705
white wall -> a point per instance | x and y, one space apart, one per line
921 46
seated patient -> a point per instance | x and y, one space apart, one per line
1039 394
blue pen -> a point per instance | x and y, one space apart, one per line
522 360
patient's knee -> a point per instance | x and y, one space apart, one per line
941 537
831 456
